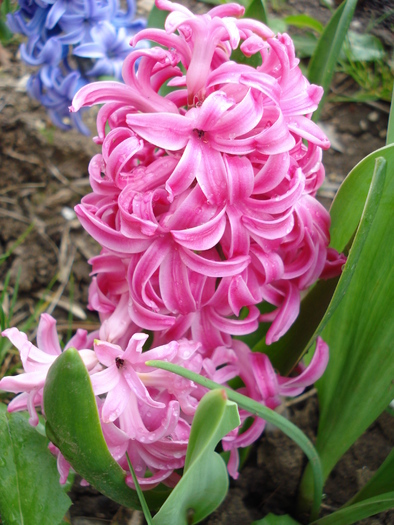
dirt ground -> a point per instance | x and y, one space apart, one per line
43 174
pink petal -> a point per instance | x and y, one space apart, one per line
47 338
186 170
275 138
237 326
240 177
116 401
293 386
101 92
269 229
211 174
23 382
307 129
105 381
175 286
137 386
202 237
107 352
272 173
236 240
146 267
33 359
164 130
212 109
107 236
147 319
286 313
213 268
122 154
240 295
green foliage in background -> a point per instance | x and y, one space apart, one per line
6 6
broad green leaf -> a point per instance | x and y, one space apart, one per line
213 2
305 45
364 47
278 25
73 425
358 383
272 519
256 9
381 482
304 21
253 8
322 64
157 17
204 483
349 202
265 413
390 127
30 492
358 511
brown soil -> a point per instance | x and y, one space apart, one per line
43 174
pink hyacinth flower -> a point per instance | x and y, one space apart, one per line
210 187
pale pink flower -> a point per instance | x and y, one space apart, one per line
36 361
147 412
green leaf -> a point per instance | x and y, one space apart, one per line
278 25
5 33
140 494
349 202
304 21
265 413
358 511
6 8
322 64
157 17
305 45
382 481
364 47
204 483
272 519
358 383
256 9
73 425
30 492
390 126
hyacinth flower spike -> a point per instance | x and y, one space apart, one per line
234 156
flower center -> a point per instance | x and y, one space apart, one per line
119 362
199 132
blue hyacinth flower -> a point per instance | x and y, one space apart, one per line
73 42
